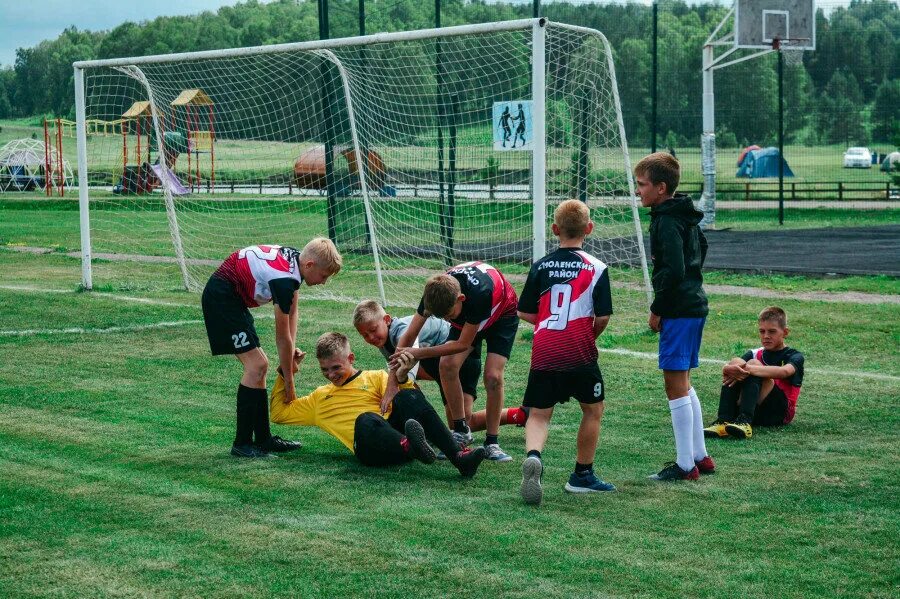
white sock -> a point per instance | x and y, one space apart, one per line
683 426
699 441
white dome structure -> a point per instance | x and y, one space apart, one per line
23 162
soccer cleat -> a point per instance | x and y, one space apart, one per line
706 465
419 448
532 473
672 471
249 451
493 453
740 428
278 445
463 439
716 429
587 482
468 460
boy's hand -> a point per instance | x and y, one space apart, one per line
733 373
395 360
405 362
298 358
653 322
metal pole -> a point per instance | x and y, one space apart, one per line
362 17
780 137
443 217
536 9
83 207
329 124
451 178
653 84
584 132
708 143
539 135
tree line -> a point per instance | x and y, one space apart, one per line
847 91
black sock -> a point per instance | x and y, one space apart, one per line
245 415
460 426
582 468
534 453
750 397
491 439
728 401
261 427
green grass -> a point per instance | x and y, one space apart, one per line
117 482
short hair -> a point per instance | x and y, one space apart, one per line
367 311
572 217
440 294
774 314
330 345
660 167
324 253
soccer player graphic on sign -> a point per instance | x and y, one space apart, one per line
504 124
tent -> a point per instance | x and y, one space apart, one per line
891 162
762 163
745 151
309 169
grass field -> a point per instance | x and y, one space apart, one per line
115 424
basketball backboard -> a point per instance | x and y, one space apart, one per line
758 22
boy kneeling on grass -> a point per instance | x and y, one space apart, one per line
762 386
380 428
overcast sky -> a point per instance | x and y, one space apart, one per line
25 23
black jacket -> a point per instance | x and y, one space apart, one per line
678 250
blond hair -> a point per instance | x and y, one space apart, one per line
367 311
572 218
324 253
774 314
441 292
660 167
331 345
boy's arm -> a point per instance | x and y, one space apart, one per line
532 318
397 377
771 372
285 332
300 411
412 331
734 371
668 264
445 349
600 323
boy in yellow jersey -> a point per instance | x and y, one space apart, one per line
381 429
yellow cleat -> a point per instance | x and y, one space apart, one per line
740 429
715 430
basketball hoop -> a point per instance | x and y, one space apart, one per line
791 49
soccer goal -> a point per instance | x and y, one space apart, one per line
413 151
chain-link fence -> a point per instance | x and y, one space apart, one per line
840 103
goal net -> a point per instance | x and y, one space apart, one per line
396 146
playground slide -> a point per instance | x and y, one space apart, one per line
169 179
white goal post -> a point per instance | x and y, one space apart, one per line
386 143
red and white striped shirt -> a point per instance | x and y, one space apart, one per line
252 270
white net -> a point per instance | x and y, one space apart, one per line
260 148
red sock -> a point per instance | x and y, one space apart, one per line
404 443
516 416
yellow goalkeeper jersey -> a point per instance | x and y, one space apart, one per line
331 408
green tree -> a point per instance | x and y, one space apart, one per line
886 111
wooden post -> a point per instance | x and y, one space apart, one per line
59 158
47 177
840 190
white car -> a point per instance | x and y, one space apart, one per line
858 158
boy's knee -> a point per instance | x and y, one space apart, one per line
258 368
592 410
493 380
448 367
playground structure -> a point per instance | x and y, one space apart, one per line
309 170
54 172
24 167
192 103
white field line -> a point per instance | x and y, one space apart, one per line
78 330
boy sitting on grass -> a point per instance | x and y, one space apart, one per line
381 429
762 386
379 329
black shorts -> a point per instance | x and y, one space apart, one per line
547 388
500 337
469 373
772 410
229 324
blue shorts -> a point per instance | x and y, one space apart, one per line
679 343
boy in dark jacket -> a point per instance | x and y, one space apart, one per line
679 308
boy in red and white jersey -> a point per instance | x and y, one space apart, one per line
480 305
567 298
761 388
248 278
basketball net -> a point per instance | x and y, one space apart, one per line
791 50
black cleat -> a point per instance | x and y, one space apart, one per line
467 461
249 451
419 447
278 445
672 471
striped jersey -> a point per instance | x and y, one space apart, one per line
789 386
261 273
489 296
566 289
